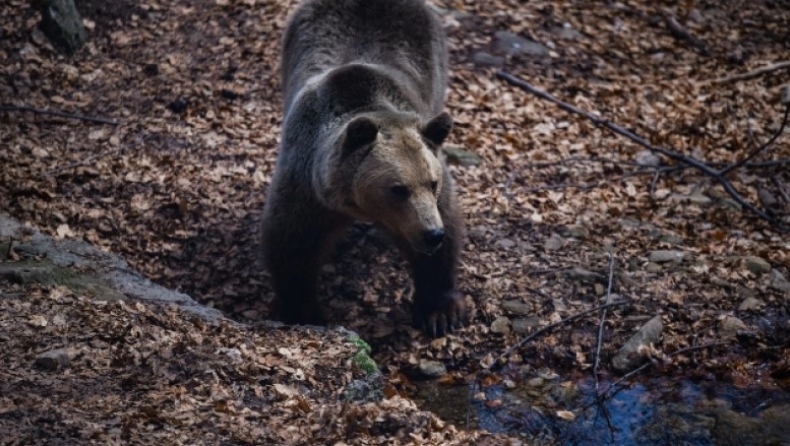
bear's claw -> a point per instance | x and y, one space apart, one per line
438 320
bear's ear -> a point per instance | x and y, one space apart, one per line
360 132
437 129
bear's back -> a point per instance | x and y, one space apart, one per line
401 36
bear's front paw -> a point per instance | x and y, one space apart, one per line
440 316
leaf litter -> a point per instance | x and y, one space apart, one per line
177 187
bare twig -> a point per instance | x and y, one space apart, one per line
782 189
758 149
84 162
679 32
13 108
690 161
537 333
752 74
603 320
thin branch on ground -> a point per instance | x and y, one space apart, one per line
782 188
60 114
10 246
671 154
549 327
753 73
86 161
759 148
680 32
597 354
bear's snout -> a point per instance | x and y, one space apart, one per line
433 237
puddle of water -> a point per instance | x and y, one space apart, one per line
658 412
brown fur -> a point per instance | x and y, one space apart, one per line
364 90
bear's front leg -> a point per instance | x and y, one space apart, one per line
295 244
439 308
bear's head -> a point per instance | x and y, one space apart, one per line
396 177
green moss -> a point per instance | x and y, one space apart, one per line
362 357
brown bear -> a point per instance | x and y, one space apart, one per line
364 85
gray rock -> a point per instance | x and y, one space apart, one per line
56 359
501 325
730 326
62 24
554 243
629 356
578 232
369 389
671 239
567 32
86 269
757 265
779 283
458 155
648 158
653 268
750 304
523 325
431 368
488 60
516 307
509 43
664 256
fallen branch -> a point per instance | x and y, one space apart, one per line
752 74
603 320
671 154
13 108
537 333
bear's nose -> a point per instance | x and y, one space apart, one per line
433 237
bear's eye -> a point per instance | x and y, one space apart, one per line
400 191
434 186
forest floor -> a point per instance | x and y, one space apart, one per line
178 186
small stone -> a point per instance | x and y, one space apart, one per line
757 265
460 156
750 304
664 256
517 307
559 305
742 291
653 268
730 326
554 243
567 32
630 356
648 158
509 43
779 283
718 281
55 359
523 325
576 232
599 289
501 325
431 368
489 60
507 243
671 239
